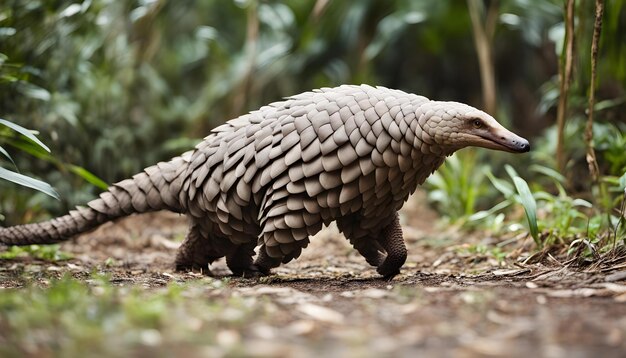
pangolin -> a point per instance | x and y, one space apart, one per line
273 177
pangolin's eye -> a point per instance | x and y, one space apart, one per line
477 123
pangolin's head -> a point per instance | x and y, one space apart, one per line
453 126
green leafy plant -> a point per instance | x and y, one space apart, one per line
517 192
610 143
456 187
549 217
36 151
485 251
26 141
530 205
16 177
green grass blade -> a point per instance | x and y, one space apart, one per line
25 132
501 185
549 172
511 171
530 207
29 182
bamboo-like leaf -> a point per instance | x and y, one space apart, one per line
29 182
530 207
30 147
609 103
34 91
582 202
89 177
25 132
6 154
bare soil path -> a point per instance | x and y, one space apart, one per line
448 301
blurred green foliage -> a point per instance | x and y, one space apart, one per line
43 252
115 86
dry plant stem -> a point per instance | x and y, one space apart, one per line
252 36
591 154
319 8
565 75
620 221
483 37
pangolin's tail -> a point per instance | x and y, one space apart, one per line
155 188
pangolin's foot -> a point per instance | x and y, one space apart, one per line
240 262
252 271
388 272
195 254
193 267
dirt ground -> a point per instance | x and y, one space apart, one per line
449 300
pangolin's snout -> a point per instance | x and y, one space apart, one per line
520 145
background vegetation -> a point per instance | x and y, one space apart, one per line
113 86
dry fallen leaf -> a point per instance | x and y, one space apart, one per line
621 298
321 313
301 327
374 293
616 276
578 292
509 272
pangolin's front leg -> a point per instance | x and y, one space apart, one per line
392 241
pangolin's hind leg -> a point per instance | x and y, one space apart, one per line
196 251
271 256
264 262
392 241
240 261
